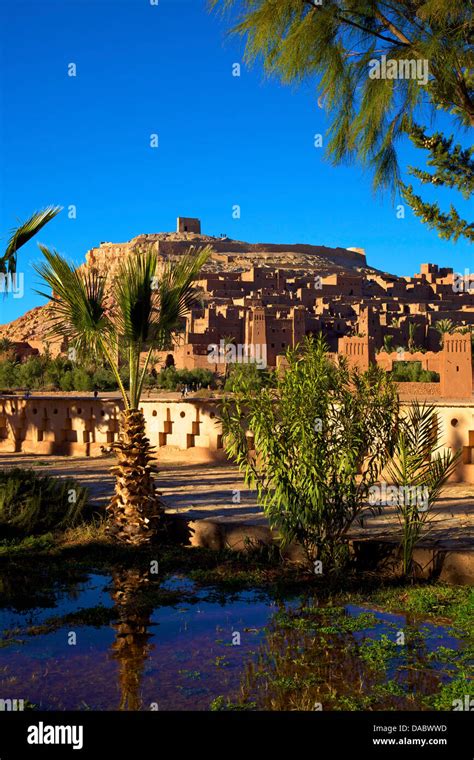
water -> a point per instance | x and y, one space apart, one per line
108 642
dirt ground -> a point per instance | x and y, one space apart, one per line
218 493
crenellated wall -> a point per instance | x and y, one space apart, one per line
453 363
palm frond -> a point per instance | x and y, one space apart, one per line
175 289
23 234
173 295
78 295
136 295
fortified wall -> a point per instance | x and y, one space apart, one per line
453 364
182 431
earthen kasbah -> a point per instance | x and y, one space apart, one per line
269 296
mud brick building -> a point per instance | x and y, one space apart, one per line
273 294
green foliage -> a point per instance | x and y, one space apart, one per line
76 380
171 379
8 375
412 372
248 376
22 234
454 168
335 43
321 438
32 504
5 345
148 308
419 469
103 380
43 373
444 327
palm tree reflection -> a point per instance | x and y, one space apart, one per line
131 647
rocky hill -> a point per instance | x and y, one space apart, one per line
229 256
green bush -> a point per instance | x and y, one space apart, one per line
321 438
8 375
103 380
66 382
55 370
31 373
45 373
411 372
171 379
248 376
34 504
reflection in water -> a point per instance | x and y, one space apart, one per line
323 658
131 646
172 643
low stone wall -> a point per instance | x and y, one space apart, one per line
450 566
84 426
184 430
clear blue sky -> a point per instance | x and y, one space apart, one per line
223 140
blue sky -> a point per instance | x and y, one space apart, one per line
223 140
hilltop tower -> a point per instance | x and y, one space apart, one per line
188 224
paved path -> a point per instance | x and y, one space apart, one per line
211 491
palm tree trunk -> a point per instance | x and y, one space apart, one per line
135 512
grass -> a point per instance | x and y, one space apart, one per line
32 504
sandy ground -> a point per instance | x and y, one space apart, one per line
217 492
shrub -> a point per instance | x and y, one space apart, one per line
411 372
34 504
419 469
30 374
171 379
248 376
66 382
103 380
55 370
82 380
8 375
321 439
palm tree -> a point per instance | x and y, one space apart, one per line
388 343
22 234
411 336
419 470
227 340
444 326
147 309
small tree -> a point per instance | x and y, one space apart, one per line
411 337
247 376
418 470
388 343
147 308
321 438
